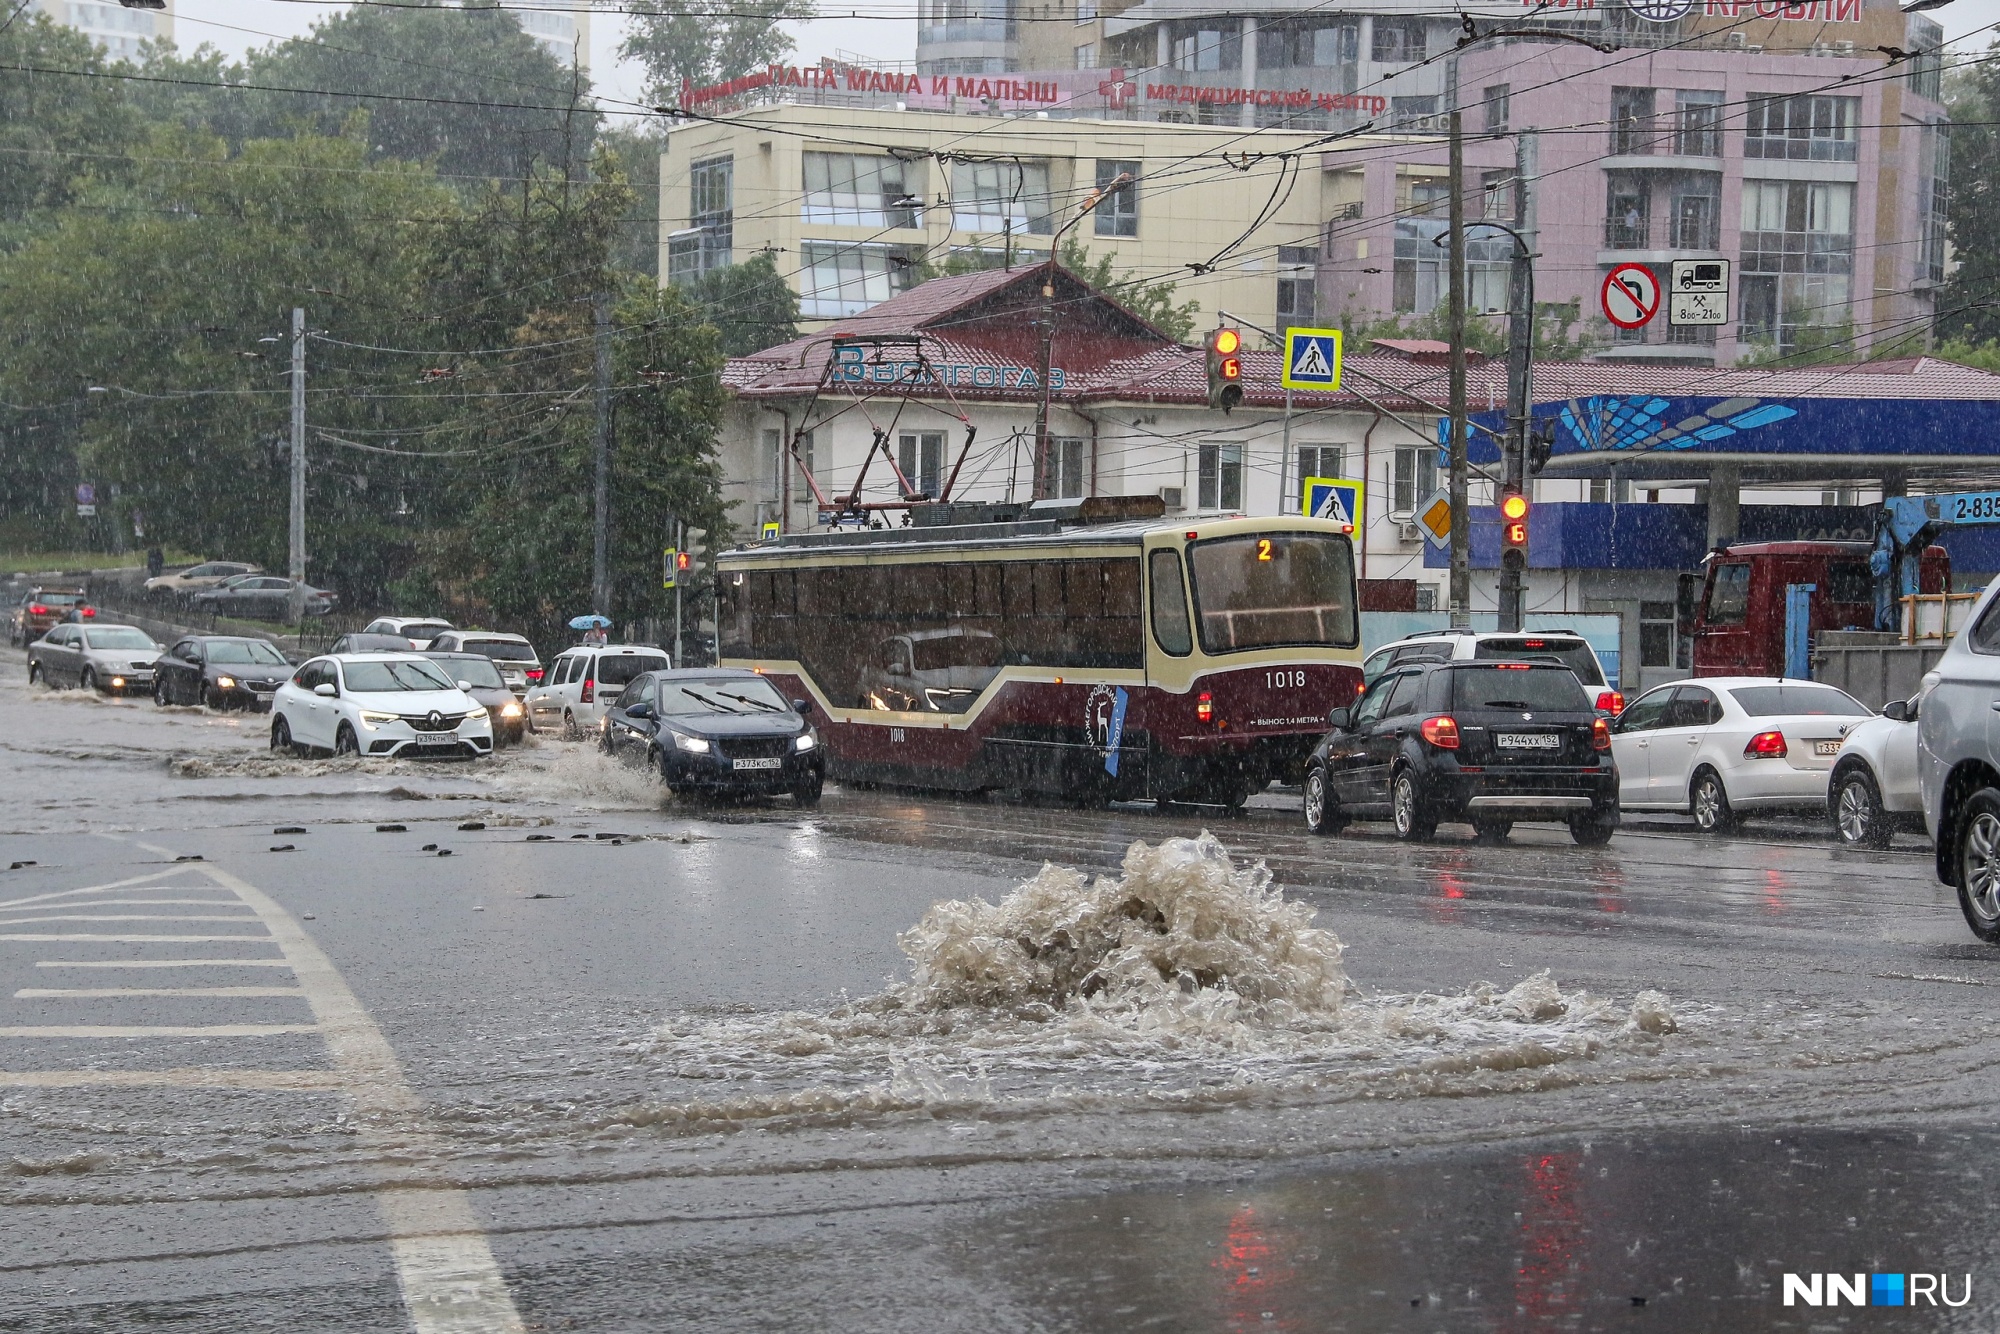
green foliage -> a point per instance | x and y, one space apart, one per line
1150 301
1559 332
750 303
1812 345
700 42
52 126
1969 305
1980 356
636 151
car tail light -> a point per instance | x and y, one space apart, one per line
1204 707
1611 702
1766 746
1512 666
534 673
1600 734
589 695
88 612
37 609
1441 731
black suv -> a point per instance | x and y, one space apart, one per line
1485 743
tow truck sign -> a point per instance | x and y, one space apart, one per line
1698 292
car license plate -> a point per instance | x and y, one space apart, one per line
756 764
1527 740
1826 748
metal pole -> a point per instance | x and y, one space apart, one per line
1045 358
1461 535
600 549
1285 459
297 563
1520 353
680 544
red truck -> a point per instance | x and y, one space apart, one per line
1737 607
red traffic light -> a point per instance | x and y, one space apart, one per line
1514 521
683 561
1225 342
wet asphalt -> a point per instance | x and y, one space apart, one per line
182 1147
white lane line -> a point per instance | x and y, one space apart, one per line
197 1078
156 1030
126 940
99 889
451 1283
163 963
131 917
51 993
129 903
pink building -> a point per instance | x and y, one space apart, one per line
1820 178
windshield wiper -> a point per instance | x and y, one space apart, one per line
719 708
765 705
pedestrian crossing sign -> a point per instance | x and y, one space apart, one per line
1335 498
1312 359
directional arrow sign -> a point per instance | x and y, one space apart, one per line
1631 296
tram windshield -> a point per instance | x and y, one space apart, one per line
1274 590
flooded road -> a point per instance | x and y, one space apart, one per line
523 1044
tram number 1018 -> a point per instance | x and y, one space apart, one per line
1286 679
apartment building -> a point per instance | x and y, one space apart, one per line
112 26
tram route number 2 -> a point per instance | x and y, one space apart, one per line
1286 679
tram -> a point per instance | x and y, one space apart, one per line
1095 656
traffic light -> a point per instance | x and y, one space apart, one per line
1225 369
675 567
1514 525
1541 443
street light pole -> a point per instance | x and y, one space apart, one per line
600 541
297 563
1043 484
1461 536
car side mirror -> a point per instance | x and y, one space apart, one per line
465 685
1897 710
639 711
898 669
803 707
325 691
1340 720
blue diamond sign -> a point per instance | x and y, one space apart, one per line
1312 359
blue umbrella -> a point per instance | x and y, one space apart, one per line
592 622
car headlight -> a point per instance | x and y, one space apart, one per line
229 683
476 711
511 709
805 741
694 745
370 718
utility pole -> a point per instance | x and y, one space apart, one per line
600 548
297 563
1520 379
1461 535
1045 357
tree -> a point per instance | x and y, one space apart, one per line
700 42
1152 301
637 153
54 128
750 304
1969 304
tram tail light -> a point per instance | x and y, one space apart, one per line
1611 702
1441 731
1204 707
1766 746
1600 734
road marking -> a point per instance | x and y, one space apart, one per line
300 1080
451 1283
156 1030
99 889
131 917
163 963
134 903
127 940
50 993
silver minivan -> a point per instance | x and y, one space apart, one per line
1958 765
520 666
582 681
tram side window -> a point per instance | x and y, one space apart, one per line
1170 617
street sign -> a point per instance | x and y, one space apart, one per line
1312 359
1336 498
1434 517
86 511
1698 292
772 528
86 494
1630 296
670 568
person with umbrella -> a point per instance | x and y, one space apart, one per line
593 628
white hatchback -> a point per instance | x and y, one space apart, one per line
1721 745
395 704
573 693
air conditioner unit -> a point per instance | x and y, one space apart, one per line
1171 497
1843 48
1408 531
1737 40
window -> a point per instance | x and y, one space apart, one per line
1415 477
1826 701
1985 637
1695 217
1118 212
1297 43
1068 460
1646 712
1398 42
921 455
711 204
859 190
1170 617
774 453
1319 461
1266 592
1086 11
1494 101
1631 120
1219 484
1798 257
1698 123
1496 190
1295 302
1538 688
1801 128
1414 114
1932 191
1086 56
1729 595
1001 196
1597 490
841 278
1692 706
1926 67
1205 44
1656 634
800 491
1627 206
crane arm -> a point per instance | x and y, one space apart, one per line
1904 526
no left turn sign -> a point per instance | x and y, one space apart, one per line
1631 296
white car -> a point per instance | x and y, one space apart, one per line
419 630
1567 647
196 578
581 682
396 704
1721 745
1875 790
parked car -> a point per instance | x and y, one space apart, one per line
40 608
1874 791
400 705
1716 747
520 666
583 681
717 730
1567 647
477 676
197 578
220 671
419 630
367 643
110 659
260 597
1482 743
1958 766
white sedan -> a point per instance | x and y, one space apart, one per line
396 704
1716 747
1875 790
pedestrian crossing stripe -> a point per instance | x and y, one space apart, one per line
1335 498
1312 359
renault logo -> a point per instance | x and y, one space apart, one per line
436 718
